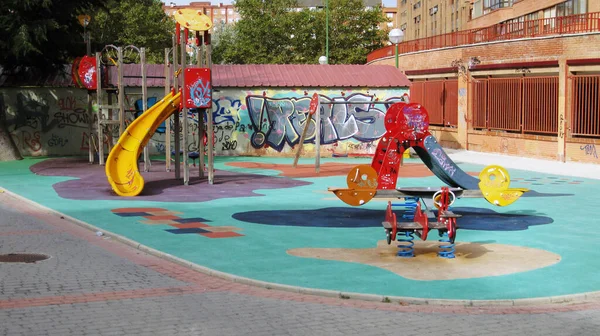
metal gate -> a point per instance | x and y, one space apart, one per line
522 104
440 98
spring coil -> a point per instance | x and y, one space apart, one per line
410 205
446 247
406 241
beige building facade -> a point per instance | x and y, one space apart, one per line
523 80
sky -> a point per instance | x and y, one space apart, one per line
386 3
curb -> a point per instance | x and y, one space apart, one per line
570 298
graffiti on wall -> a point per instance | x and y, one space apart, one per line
46 121
280 121
589 149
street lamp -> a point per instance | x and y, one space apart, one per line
327 29
323 60
396 35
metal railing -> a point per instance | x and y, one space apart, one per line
440 98
522 104
585 105
581 23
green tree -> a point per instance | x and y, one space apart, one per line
141 23
261 36
353 31
42 35
272 32
38 36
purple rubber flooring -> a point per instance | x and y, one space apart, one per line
91 183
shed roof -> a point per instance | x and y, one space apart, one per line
247 75
308 75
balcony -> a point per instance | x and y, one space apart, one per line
573 24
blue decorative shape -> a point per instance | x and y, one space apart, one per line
186 231
190 220
338 217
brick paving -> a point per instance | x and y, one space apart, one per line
95 286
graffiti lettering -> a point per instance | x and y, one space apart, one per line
67 103
29 111
76 118
561 126
57 141
229 145
226 109
590 149
27 141
280 121
444 161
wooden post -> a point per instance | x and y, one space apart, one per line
184 139
201 112
147 162
209 115
302 138
176 120
168 75
100 116
121 97
90 126
318 139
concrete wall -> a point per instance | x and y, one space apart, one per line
54 121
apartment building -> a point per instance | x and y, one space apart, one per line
425 18
489 12
517 78
391 13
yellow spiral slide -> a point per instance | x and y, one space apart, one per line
122 163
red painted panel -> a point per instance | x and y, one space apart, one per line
87 72
198 88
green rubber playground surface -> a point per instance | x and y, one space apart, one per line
259 218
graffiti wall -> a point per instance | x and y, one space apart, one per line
46 121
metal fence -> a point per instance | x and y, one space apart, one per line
440 98
522 104
585 105
581 23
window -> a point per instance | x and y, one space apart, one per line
490 5
403 27
433 10
389 15
417 18
403 13
417 5
571 7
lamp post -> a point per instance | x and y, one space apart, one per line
327 29
396 35
323 60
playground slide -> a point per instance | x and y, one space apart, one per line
122 163
436 159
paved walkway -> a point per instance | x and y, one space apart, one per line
93 285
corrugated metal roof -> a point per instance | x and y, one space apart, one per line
248 75
279 75
308 75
